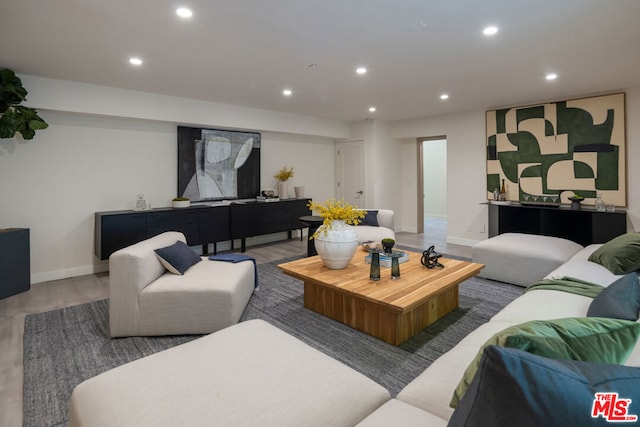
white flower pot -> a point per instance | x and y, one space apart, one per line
336 245
181 203
283 190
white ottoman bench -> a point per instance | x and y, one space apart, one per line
250 374
522 259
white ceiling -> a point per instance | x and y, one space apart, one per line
245 52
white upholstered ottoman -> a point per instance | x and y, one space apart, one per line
250 374
522 259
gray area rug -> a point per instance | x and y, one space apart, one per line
64 347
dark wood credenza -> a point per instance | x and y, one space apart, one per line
584 226
201 225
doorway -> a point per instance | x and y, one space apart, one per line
432 187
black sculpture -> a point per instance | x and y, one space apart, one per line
430 258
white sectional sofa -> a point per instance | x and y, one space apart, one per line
254 374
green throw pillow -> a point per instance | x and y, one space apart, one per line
589 339
620 255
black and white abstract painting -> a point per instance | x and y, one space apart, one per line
218 164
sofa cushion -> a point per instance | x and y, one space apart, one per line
178 257
620 255
398 413
620 300
431 390
370 218
250 374
584 270
545 392
588 339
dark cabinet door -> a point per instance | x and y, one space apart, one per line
584 226
213 224
299 208
15 262
244 220
184 221
273 217
117 231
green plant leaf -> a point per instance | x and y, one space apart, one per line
16 118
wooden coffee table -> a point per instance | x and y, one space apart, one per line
391 310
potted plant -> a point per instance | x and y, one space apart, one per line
387 245
180 202
336 241
283 176
16 118
575 201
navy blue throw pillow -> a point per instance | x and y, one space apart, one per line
370 218
516 388
178 257
619 300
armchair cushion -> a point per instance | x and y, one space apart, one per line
178 257
370 218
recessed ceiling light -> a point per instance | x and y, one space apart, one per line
183 12
361 70
135 61
489 31
287 92
551 76
444 96
372 109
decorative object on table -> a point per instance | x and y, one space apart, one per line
387 245
283 176
335 240
374 271
370 244
395 264
180 202
141 204
267 196
385 259
600 204
503 192
430 258
575 202
15 118
299 191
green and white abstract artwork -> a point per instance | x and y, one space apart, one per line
555 150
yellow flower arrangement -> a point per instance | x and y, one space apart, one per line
284 174
333 210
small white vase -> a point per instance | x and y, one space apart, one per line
180 203
336 245
283 190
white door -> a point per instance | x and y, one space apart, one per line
351 173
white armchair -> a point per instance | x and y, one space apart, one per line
145 299
373 233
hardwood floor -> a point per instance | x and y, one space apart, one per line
77 290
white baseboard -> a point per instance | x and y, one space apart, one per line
406 229
69 272
103 266
460 241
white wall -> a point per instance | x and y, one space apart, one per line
87 163
466 165
383 165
